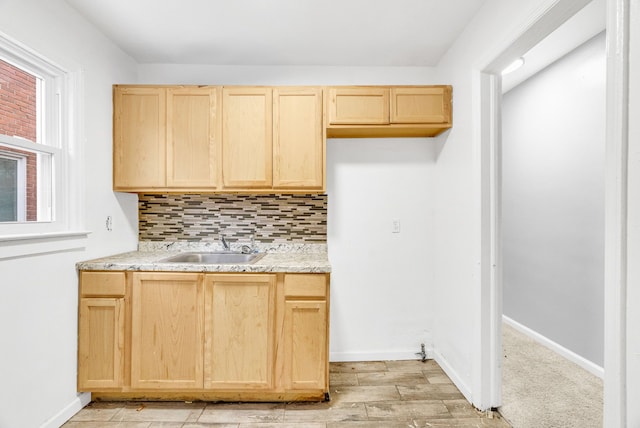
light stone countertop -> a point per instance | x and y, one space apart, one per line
292 258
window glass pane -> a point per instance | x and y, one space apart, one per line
18 102
27 184
8 189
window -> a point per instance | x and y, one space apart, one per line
35 129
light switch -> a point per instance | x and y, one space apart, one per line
395 225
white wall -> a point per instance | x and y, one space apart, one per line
380 305
553 151
38 310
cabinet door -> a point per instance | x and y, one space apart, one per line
298 141
247 137
306 362
167 321
358 106
101 343
240 331
139 153
420 105
193 156
305 347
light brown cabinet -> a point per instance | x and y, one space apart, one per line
193 137
358 106
394 111
101 330
214 336
305 332
166 138
420 105
256 139
298 139
240 331
217 139
167 314
139 138
247 137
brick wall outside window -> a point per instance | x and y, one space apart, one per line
18 118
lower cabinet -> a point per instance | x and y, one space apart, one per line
305 332
240 331
101 331
167 312
235 336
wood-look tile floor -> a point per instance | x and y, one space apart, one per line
380 394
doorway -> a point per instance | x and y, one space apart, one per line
552 221
617 119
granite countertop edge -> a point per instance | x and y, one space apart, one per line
287 259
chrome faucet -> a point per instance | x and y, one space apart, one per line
248 249
223 241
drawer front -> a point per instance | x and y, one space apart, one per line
305 285
102 284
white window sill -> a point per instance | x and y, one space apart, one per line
14 246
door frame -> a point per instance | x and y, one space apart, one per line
487 89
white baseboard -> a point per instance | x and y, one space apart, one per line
375 356
453 375
67 413
589 366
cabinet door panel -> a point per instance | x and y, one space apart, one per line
192 137
420 105
298 143
239 331
247 137
358 106
167 320
101 343
139 138
305 347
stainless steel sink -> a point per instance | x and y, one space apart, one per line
214 258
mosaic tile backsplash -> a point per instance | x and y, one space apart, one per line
198 217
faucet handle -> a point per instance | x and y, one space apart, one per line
223 241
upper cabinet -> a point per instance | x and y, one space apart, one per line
256 138
139 138
247 137
166 138
358 106
231 139
193 137
420 105
398 111
298 138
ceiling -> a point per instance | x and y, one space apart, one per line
282 32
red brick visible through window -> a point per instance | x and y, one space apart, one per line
18 118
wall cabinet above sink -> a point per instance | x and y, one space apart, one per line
166 138
215 139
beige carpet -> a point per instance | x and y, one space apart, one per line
543 389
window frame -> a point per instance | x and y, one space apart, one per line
59 101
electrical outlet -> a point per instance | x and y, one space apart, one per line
395 225
109 223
